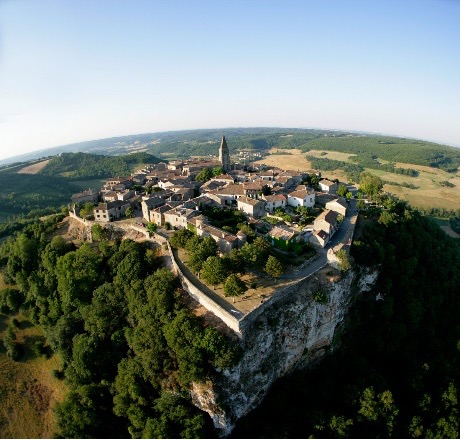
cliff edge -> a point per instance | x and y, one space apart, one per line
290 334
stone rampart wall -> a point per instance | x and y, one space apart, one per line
205 300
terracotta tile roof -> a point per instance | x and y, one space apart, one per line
326 182
300 194
282 233
275 198
341 201
329 216
231 189
249 201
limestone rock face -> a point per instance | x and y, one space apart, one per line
290 334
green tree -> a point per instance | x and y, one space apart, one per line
180 238
217 171
205 248
380 410
274 267
129 212
343 260
342 190
204 175
213 270
86 209
370 184
97 231
234 286
151 228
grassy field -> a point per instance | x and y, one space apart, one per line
28 391
34 168
429 194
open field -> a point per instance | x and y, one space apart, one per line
28 391
34 168
429 195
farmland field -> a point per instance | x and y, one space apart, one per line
34 168
429 194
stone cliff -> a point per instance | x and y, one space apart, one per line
290 334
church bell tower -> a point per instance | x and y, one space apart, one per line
224 156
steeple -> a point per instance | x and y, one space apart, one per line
224 156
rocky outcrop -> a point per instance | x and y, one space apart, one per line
290 334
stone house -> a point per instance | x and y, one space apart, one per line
150 204
156 215
283 237
225 240
117 184
320 238
327 185
88 195
274 201
338 205
179 216
251 207
106 212
327 222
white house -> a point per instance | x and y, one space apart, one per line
301 198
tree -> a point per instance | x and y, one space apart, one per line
204 175
369 184
266 190
342 190
217 171
151 228
98 233
380 409
233 262
213 270
199 250
129 212
180 238
234 286
274 267
343 260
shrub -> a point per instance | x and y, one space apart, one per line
321 297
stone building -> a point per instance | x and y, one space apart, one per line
224 155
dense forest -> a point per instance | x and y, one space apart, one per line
396 370
23 193
81 166
129 345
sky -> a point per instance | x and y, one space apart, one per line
72 71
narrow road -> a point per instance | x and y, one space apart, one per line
342 235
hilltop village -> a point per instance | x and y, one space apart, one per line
289 208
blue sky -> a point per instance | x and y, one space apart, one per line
79 70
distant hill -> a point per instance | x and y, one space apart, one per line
81 166
203 142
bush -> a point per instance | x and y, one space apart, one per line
321 297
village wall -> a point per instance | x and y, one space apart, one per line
205 300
